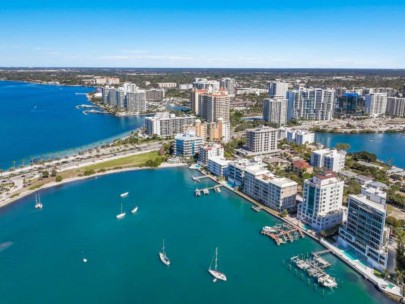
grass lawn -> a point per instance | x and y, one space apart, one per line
128 161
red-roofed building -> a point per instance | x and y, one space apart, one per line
300 166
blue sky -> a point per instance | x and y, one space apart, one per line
255 33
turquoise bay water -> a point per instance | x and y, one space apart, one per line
37 120
43 261
385 146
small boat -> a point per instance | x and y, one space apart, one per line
214 272
121 215
38 204
135 210
327 281
269 229
256 208
163 257
84 260
125 194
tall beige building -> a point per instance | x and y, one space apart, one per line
262 140
213 106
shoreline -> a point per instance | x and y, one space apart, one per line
80 178
371 278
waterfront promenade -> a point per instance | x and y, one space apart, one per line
69 168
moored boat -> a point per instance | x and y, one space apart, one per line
125 194
214 271
120 215
163 257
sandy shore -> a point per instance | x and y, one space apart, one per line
78 178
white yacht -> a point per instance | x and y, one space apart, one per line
214 271
135 210
121 215
38 204
163 257
327 281
125 194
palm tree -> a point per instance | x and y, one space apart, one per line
400 274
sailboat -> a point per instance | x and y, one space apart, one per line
38 204
135 210
214 272
125 194
121 215
163 257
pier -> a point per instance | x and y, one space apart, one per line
283 233
85 106
206 191
198 178
85 112
315 269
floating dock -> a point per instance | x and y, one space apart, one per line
198 178
283 233
206 191
315 268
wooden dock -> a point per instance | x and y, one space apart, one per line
283 233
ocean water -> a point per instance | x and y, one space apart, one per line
385 146
37 120
41 251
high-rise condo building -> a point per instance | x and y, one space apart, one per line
350 104
376 104
208 151
262 140
166 124
322 202
229 85
136 101
300 137
213 106
275 110
396 106
365 231
278 89
311 104
205 84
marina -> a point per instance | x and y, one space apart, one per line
315 268
79 222
283 233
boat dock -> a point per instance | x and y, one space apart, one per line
198 178
315 268
282 233
206 191
321 261
85 106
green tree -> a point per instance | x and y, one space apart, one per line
343 147
58 178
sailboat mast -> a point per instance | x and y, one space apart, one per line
216 258
163 248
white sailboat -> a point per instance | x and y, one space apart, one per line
125 194
121 215
214 272
163 257
135 210
38 204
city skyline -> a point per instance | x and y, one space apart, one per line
258 34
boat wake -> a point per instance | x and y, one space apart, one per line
5 245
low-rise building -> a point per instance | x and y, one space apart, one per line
187 144
322 202
218 166
237 170
333 160
300 137
167 85
208 151
278 193
300 167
